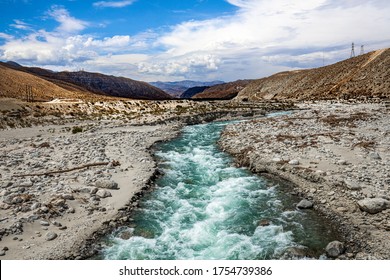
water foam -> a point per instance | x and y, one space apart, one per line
203 208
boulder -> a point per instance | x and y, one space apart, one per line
373 205
352 184
106 184
334 249
103 193
305 204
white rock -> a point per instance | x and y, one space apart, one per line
103 193
294 162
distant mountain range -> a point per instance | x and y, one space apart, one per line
176 89
78 82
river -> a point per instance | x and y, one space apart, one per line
204 207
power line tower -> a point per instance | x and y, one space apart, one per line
361 49
353 50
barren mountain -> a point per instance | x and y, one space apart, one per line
223 91
189 93
97 83
355 78
176 89
18 84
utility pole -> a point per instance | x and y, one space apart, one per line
353 50
29 94
361 49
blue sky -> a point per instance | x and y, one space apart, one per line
171 40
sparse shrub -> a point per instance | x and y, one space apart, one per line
76 129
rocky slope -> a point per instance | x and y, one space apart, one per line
223 91
96 83
364 76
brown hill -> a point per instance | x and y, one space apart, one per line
17 84
96 83
364 76
223 91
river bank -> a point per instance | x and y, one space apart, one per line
337 156
65 179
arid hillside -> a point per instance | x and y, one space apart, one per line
96 83
223 91
25 86
364 76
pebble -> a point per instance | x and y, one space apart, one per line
375 156
44 223
294 162
50 236
57 224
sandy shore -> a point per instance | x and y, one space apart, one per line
338 157
50 216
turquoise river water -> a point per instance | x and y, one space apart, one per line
205 208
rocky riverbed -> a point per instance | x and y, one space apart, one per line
71 172
60 184
337 158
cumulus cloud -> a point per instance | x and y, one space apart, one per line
260 38
183 66
274 31
68 24
113 4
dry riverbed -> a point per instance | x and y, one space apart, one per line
337 157
49 216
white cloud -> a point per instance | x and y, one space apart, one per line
260 38
68 24
19 24
295 32
6 36
113 4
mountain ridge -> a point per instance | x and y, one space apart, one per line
95 83
363 76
